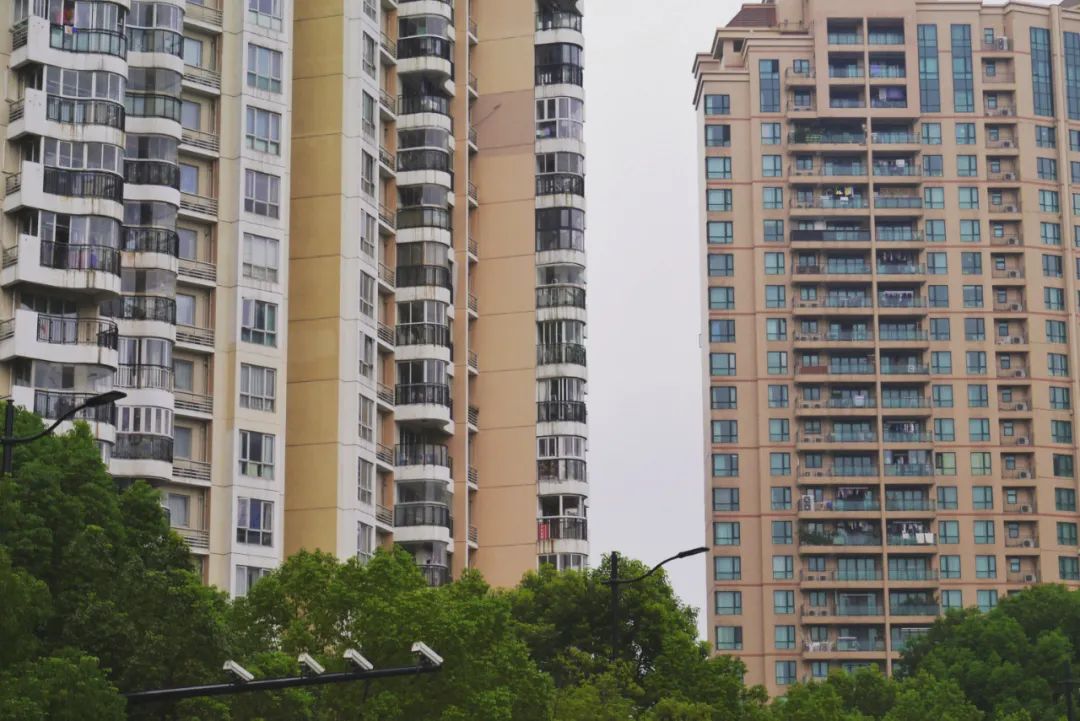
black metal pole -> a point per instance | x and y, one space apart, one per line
9 431
614 604
271 684
1069 691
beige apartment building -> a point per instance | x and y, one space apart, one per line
145 153
437 372
889 235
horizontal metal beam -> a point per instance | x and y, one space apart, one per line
272 684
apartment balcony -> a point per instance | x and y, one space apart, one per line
385 395
204 14
1015 407
387 106
904 404
422 461
834 339
386 336
1023 542
837 474
561 354
51 405
1024 576
904 338
852 72
914 609
894 138
195 338
845 647
560 296
197 272
388 49
840 237
190 471
898 202
914 542
562 535
199 207
423 403
424 334
861 405
58 339
434 574
838 206
561 412
835 372
910 505
203 79
384 457
915 575
829 441
387 220
907 437
837 305
1001 111
197 404
34 113
34 39
197 539
834 272
83 269
799 78
867 613
810 508
84 190
428 55
1007 144
142 455
923 472
817 542
825 138
422 522
1018 372
841 578
384 516
387 162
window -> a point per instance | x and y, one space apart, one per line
941 362
718 168
778 396
1058 364
367 356
984 532
770 134
263 130
718 136
255 522
944 429
725 499
726 533
781 533
949 532
987 600
1049 201
769 85
779 464
1069 568
775 329
258 387
974 329
771 166
724 397
1044 137
965 133
728 603
248 576
929 79
773 230
949 566
971 263
1061 431
947 498
721 331
952 599
786 672
979 429
718 201
935 231
721 298
367 294
1066 534
970 231
729 638
772 198
1063 465
256 454
969 198
1074 135
367 419
939 329
266 13
720 232
721 265
934 198
775 296
982 498
985 566
264 68
189 179
1060 399
783 602
779 430
1052 266
780 498
725 465
725 431
976 362
183 375
191 115
967 166
937 263
973 296
938 296
785 637
259 322
1054 298
945 463
1042 75
776 362
1050 233
931 133
369 55
783 568
942 396
262 194
981 466
261 258
365 482
933 166
1046 168
727 568
717 104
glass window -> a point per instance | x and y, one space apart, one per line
264 68
728 603
263 132
255 521
717 104
262 194
729 638
984 532
261 258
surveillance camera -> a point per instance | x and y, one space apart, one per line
310 665
426 656
353 656
241 673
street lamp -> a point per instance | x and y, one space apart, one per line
615 582
8 442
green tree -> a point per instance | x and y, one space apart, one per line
813 702
924 697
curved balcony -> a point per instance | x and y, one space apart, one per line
83 184
417 104
424 218
562 476
150 105
424 403
560 74
422 461
152 172
59 339
142 455
559 183
561 412
423 334
88 111
560 354
155 40
141 307
560 296
88 40
416 159
420 275
426 54
415 522
151 240
52 405
562 535
147 377
552 19
93 268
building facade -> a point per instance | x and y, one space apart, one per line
891 317
145 152
437 371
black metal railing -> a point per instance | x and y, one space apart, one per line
554 183
155 40
84 112
550 353
88 40
132 375
573 529
422 393
141 307
422 454
423 159
152 240
425 46
83 184
143 446
560 74
152 172
423 514
558 20
64 330
414 275
560 296
65 256
52 405
423 334
411 104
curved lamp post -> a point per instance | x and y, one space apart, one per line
615 582
8 442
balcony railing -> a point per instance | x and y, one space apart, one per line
914 609
384 515
906 504
423 514
78 111
198 402
51 405
143 446
909 469
902 334
474 416
1028 541
151 240
423 334
556 353
208 77
199 203
199 269
474 476
560 296
191 469
385 393
435 575
912 539
141 307
906 437
64 330
422 394
422 454
201 139
203 12
67 256
574 529
561 411
194 335
131 375
194 537
83 184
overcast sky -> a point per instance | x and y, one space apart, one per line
645 423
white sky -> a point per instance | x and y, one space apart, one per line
646 446
645 422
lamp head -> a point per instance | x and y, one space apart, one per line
104 399
693 552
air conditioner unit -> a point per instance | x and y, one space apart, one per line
1010 176
1014 274
1023 441
1025 509
1029 578
1011 209
1021 406
1013 241
1001 43
1028 543
816 405
1016 340
1016 306
1024 474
